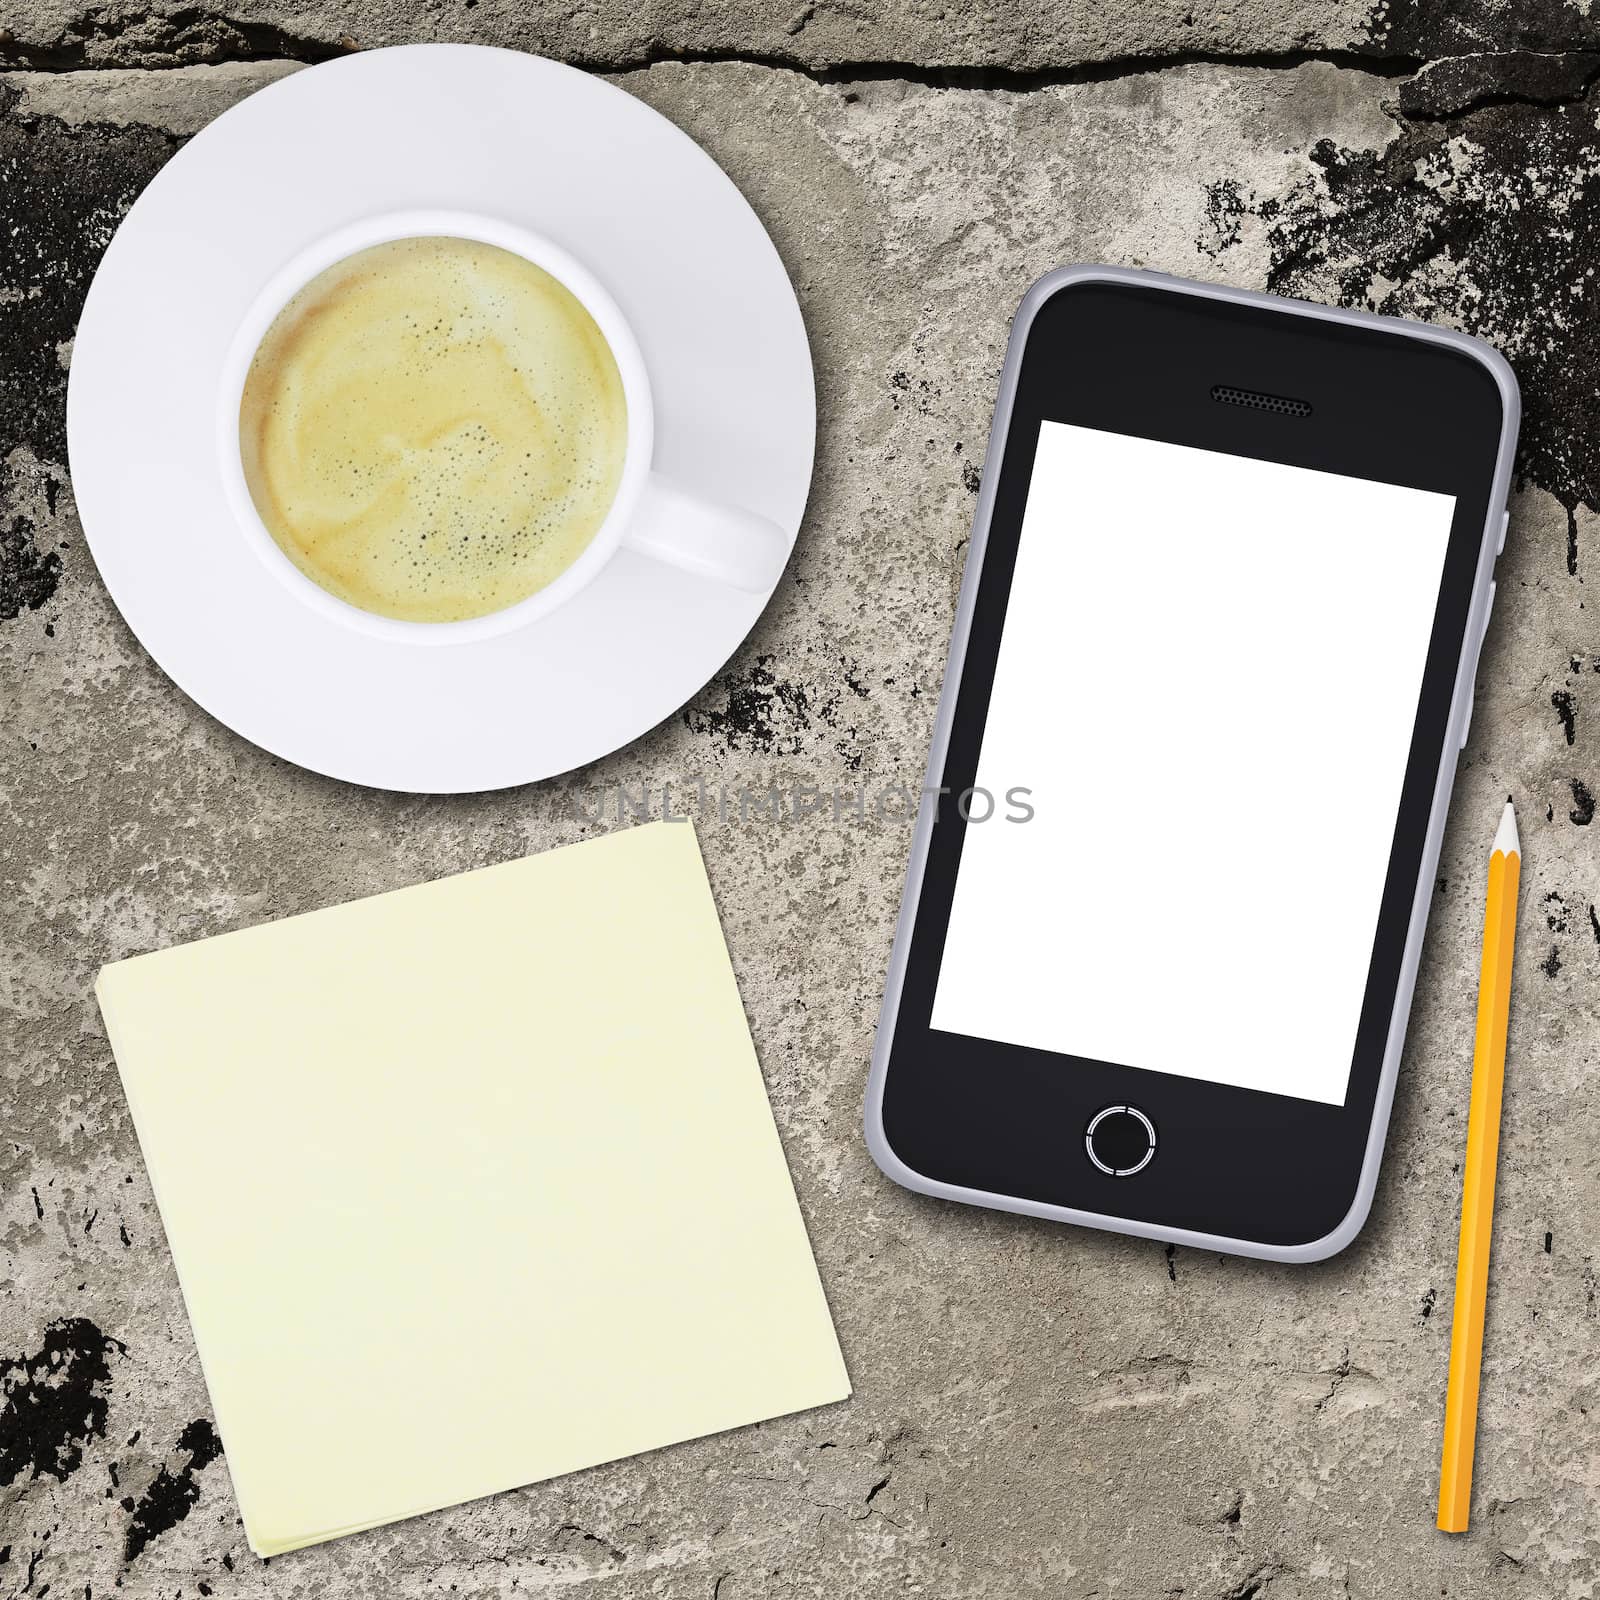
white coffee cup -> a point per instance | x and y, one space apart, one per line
651 513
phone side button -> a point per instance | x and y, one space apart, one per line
1121 1140
1472 692
1505 525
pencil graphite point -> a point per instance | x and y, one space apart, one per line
1506 838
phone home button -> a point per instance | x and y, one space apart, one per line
1120 1140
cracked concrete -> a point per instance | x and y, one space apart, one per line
1032 35
811 33
1038 1412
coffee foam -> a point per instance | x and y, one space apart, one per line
433 429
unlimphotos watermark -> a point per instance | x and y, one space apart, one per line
863 803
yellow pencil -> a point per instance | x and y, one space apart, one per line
1477 1184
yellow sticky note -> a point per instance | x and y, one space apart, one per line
504 1136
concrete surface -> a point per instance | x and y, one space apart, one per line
1038 1412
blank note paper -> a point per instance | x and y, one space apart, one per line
504 1131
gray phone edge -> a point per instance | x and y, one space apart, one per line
1460 712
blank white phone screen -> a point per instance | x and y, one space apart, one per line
1207 679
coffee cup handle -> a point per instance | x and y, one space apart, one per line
706 537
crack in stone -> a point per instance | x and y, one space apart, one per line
1432 89
199 36
1455 86
1023 80
193 35
1338 1375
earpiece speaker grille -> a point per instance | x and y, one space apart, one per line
1256 401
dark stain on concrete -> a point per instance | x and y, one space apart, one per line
763 714
172 1495
28 575
54 1401
62 192
1567 711
1428 29
1582 811
919 393
1555 912
759 712
1459 84
1489 221
1225 212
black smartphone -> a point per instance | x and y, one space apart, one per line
1212 666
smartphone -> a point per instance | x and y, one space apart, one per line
1212 666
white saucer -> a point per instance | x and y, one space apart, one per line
469 129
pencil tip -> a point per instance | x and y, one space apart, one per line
1506 839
